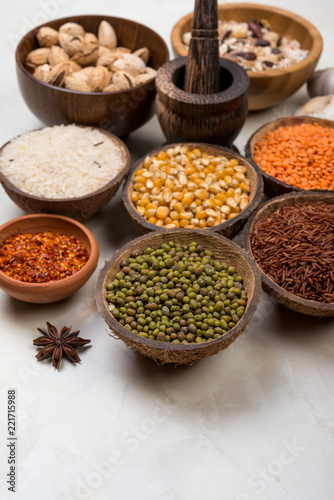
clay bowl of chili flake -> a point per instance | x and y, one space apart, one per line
294 153
57 263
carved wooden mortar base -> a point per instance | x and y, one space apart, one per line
213 118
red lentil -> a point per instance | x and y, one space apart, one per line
41 257
301 155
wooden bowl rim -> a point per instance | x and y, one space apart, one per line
165 85
229 223
150 343
248 231
87 269
56 201
176 37
80 92
276 124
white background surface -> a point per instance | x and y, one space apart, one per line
254 422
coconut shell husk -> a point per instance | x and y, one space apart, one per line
181 354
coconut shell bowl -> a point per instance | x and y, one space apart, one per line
79 208
287 299
168 352
120 112
273 186
53 291
267 88
230 227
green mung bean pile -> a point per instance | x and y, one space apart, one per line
177 293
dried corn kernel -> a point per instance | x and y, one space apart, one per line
189 188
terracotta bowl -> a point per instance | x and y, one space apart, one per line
267 88
272 186
42 293
229 228
298 304
79 208
119 112
181 354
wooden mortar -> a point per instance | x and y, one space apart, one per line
202 98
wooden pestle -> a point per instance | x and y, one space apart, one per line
202 73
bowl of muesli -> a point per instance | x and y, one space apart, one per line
278 48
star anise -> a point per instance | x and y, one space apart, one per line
56 344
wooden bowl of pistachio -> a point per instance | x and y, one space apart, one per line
91 70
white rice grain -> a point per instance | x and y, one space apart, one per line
64 161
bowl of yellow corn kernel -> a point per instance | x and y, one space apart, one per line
194 186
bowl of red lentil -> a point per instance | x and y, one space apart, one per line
295 153
45 258
192 186
291 239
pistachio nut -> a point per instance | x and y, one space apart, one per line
123 80
47 36
57 55
107 35
88 54
99 78
90 38
43 73
72 82
143 78
106 59
129 63
143 53
71 44
37 57
103 50
59 73
111 88
151 71
73 29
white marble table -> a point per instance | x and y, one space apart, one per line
253 422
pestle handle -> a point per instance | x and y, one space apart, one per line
202 68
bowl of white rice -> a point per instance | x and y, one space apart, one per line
68 170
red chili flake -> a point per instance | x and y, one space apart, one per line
41 257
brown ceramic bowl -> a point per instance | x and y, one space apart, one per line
273 186
119 112
267 88
168 352
42 293
79 208
298 304
229 228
